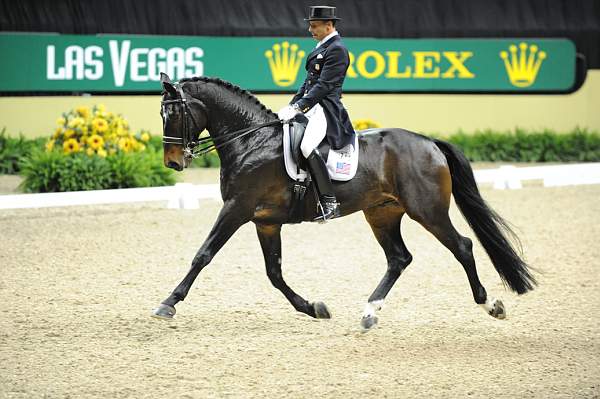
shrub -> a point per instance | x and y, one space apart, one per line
51 171
93 149
209 160
13 150
95 131
579 145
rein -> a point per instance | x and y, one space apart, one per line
187 139
231 136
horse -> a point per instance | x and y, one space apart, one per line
399 172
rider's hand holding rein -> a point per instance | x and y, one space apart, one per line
288 112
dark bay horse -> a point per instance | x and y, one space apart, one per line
400 172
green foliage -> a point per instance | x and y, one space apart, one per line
13 150
210 160
579 145
155 143
52 171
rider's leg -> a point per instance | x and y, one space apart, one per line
315 133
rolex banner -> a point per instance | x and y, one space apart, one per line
124 63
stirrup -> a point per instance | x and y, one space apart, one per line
328 210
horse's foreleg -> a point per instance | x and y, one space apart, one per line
229 220
269 236
385 223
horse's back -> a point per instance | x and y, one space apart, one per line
402 144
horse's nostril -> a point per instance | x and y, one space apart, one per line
174 165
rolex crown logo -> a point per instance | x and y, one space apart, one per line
284 62
522 68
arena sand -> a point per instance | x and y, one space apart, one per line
78 285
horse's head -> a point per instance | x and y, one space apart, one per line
184 118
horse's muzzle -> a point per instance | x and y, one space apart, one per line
174 165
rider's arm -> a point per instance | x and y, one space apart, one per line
299 94
332 76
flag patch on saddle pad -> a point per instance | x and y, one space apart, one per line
342 167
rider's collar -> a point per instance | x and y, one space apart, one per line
329 36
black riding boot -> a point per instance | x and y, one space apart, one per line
319 174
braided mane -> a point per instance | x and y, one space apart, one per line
231 87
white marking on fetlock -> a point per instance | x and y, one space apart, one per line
488 306
372 307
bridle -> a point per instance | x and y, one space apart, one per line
190 141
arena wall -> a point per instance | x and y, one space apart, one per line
36 116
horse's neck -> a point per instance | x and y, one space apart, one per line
228 115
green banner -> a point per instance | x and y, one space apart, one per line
114 63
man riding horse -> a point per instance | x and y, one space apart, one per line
319 100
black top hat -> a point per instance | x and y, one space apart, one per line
322 13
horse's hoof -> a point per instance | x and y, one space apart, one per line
498 310
367 323
164 312
321 311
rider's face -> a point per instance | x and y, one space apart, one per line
320 29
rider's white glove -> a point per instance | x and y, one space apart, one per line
288 112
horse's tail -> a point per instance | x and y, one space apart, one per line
491 229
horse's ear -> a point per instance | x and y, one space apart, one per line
167 85
164 78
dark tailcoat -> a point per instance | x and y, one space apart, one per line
326 69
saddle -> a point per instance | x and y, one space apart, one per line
341 164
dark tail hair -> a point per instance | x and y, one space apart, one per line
489 227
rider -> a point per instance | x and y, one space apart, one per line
319 99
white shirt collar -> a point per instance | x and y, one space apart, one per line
329 36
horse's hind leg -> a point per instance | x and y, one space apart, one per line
269 236
385 223
440 225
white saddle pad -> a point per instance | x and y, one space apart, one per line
341 164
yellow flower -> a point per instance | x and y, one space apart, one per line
69 133
57 133
125 144
145 137
76 122
61 121
99 125
83 111
100 107
90 152
102 152
95 142
71 145
50 145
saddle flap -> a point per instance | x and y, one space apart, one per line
296 134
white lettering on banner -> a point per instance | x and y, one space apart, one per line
74 60
119 60
191 60
155 67
92 59
137 64
175 63
51 73
80 63
140 64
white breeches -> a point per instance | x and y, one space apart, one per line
315 130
